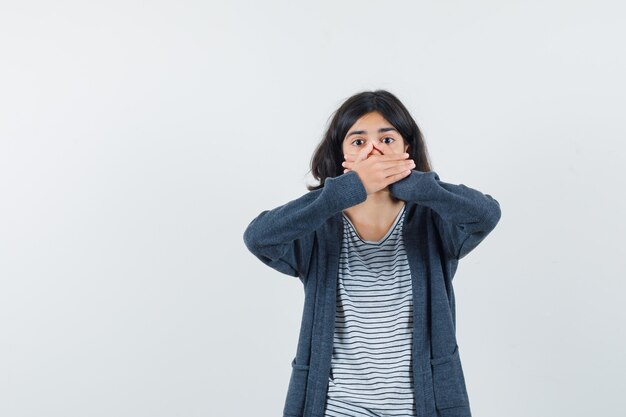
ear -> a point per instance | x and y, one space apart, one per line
407 148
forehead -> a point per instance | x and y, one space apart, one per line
371 124
371 119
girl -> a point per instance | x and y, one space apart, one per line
376 244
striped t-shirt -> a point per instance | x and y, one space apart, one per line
371 372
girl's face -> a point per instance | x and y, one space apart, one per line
372 127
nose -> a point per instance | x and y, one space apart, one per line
376 149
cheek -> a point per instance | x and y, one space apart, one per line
398 147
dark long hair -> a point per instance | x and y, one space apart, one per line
328 156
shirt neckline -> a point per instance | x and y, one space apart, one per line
384 238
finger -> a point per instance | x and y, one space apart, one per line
401 164
387 165
364 152
385 157
398 169
394 156
347 164
398 176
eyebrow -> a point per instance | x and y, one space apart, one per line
381 130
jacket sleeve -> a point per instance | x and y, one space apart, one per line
283 237
463 216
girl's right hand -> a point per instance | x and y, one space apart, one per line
378 171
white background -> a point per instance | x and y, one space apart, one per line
139 139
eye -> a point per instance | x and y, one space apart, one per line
356 140
389 137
